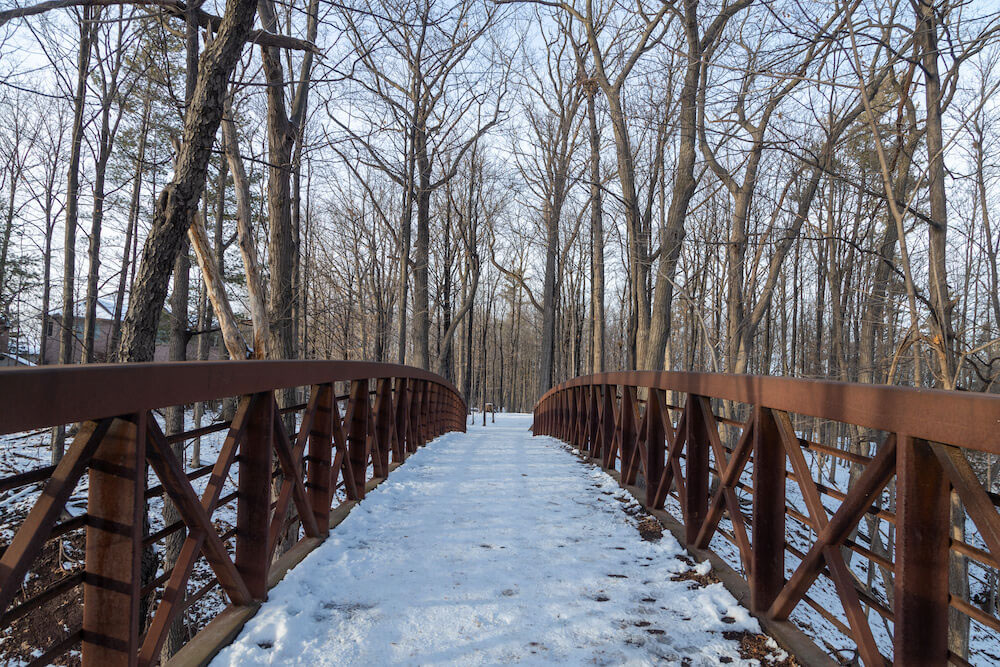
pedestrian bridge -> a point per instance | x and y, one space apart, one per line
348 513
492 547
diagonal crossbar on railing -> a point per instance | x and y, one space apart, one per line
287 483
700 457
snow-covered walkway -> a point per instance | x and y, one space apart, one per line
494 547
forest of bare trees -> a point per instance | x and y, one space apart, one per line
507 192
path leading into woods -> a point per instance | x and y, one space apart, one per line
495 547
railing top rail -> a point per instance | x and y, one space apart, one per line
965 419
52 395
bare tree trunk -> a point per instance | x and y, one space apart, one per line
133 223
547 358
178 352
48 206
597 364
421 255
178 201
929 13
672 234
106 138
67 339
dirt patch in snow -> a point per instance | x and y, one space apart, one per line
649 529
698 579
762 648
54 619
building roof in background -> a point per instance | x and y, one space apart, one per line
19 360
105 307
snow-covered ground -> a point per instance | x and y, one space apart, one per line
495 547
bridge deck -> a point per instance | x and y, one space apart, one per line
495 547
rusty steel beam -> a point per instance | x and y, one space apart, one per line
52 395
965 419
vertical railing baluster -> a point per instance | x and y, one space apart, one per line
253 508
436 410
628 434
614 443
608 424
112 580
356 422
920 600
402 405
321 457
425 413
696 477
767 558
384 421
655 438
412 433
572 416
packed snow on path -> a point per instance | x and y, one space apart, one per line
494 547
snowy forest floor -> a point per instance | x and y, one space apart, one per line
496 547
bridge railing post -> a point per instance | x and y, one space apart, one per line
425 414
402 405
696 477
550 416
655 448
253 509
629 433
320 461
112 581
767 558
436 410
567 435
412 410
356 423
384 421
921 593
573 416
608 420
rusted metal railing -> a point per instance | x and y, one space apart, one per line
274 485
706 442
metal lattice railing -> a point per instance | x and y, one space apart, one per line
278 483
743 450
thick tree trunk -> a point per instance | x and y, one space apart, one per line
637 241
215 288
421 255
597 364
546 359
672 234
929 14
405 230
178 201
248 251
179 299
